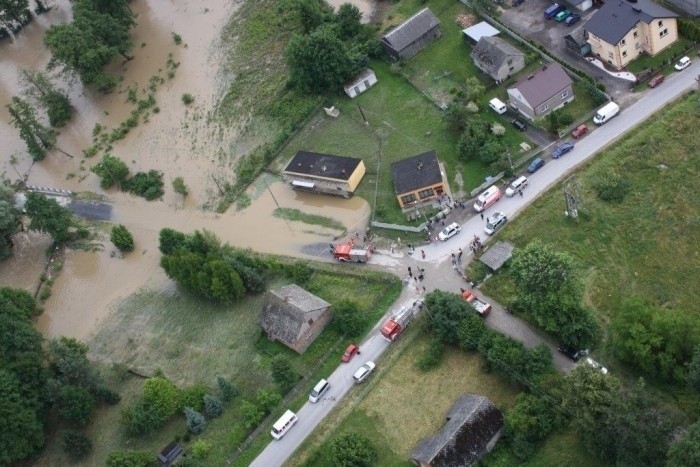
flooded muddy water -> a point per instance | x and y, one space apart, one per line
366 7
23 269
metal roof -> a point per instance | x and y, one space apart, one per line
497 255
480 30
322 165
538 88
616 18
411 29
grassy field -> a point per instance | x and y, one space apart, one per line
658 61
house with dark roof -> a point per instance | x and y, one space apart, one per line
294 316
418 179
536 95
621 31
324 173
497 58
472 429
412 36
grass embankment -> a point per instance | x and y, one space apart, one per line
313 219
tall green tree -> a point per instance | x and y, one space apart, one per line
111 170
446 311
48 216
55 102
686 452
353 450
348 19
117 9
309 13
9 220
12 11
36 136
21 429
103 28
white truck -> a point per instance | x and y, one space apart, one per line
605 113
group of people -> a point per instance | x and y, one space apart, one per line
475 244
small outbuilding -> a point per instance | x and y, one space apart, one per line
497 255
577 41
418 179
497 58
472 429
479 30
360 83
294 316
413 35
170 454
324 173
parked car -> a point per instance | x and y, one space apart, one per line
579 131
518 124
495 222
561 150
572 353
516 186
364 371
319 390
552 10
572 19
656 80
449 231
562 15
535 165
350 353
682 64
597 365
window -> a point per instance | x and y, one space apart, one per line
636 46
661 23
636 34
426 193
610 55
544 108
663 33
367 83
565 94
623 43
311 321
510 61
624 53
408 199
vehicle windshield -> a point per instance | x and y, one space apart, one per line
490 225
314 393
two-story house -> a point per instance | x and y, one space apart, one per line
621 31
536 95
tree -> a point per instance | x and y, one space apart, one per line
76 444
36 136
111 170
18 302
104 28
147 184
9 220
163 394
267 399
694 370
48 216
179 186
348 19
228 391
76 404
122 238
131 459
55 101
474 88
213 279
213 406
13 11
457 116
21 430
170 240
446 311
252 413
142 417
67 360
117 9
353 450
529 421
348 318
686 452
283 373
193 397
195 421
310 13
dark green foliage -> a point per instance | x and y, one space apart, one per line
147 184
267 400
479 143
13 11
610 186
21 430
48 216
195 421
457 116
131 459
252 278
689 29
163 395
55 101
228 391
446 310
67 360
111 170
106 395
432 356
558 119
252 413
660 342
213 406
122 238
353 450
529 421
310 14
347 318
36 136
470 331
76 404
17 302
694 370
76 444
187 98
301 273
142 417
686 452
9 220
179 186
193 397
171 240
283 374
348 19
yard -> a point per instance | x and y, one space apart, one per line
663 61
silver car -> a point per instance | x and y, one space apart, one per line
364 372
495 222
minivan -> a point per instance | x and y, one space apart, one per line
487 198
283 425
553 11
517 186
318 391
498 106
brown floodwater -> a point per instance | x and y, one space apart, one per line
23 269
366 7
179 141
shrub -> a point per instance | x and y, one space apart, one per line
432 355
177 39
268 400
213 406
187 98
472 107
610 186
142 417
252 414
111 170
131 459
283 373
179 186
348 318
146 184
201 449
122 238
195 421
107 395
498 129
163 395
228 391
353 450
170 240
76 444
193 397
476 271
76 404
301 273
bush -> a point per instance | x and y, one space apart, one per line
170 240
476 271
194 397
498 129
228 391
76 404
353 450
111 170
131 459
347 318
58 107
187 98
610 186
146 184
283 374
195 421
163 395
301 273
201 449
179 186
76 444
142 417
213 406
107 395
252 414
122 238
432 355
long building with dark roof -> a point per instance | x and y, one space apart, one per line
324 173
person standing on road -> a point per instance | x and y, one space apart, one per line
422 253
482 216
521 193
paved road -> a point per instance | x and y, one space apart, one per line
439 273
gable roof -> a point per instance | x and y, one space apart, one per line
287 309
364 74
471 424
480 30
322 165
616 17
497 255
411 29
416 172
492 52
540 87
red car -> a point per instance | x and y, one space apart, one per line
580 130
350 352
656 80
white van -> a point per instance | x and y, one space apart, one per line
498 106
282 426
605 113
518 185
319 390
487 198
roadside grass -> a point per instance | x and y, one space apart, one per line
313 219
659 61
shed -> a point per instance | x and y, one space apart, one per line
170 454
577 42
360 83
294 316
413 35
418 179
479 30
472 429
497 255
324 173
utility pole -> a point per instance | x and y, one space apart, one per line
363 114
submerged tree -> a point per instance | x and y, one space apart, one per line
13 11
48 216
55 101
36 136
9 220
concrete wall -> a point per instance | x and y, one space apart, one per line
311 332
438 190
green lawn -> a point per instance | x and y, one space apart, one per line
661 60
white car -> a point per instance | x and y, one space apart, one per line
364 371
449 231
495 222
597 365
682 64
321 388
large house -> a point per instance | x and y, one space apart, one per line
497 58
412 36
620 31
294 316
536 95
324 173
472 429
418 180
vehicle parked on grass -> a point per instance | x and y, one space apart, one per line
572 353
350 353
605 113
535 165
656 80
364 372
517 185
596 365
498 106
495 222
561 150
449 231
518 124
552 10
481 307
487 198
682 64
579 131
394 326
572 19
562 15
284 424
321 388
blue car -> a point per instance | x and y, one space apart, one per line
535 165
561 150
553 11
572 19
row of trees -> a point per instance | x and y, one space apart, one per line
114 171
